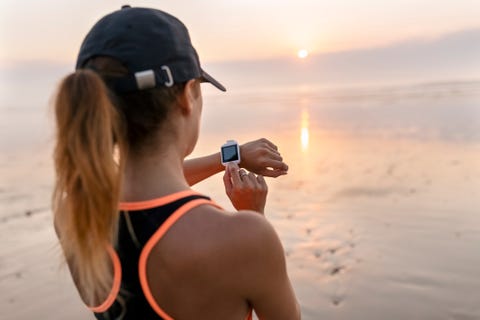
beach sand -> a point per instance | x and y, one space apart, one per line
379 214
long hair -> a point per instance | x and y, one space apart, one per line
87 190
96 129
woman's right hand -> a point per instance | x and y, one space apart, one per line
246 191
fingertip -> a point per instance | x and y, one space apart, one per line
268 173
232 166
277 173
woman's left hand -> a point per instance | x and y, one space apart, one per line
262 157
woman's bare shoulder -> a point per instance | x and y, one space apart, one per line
240 240
238 229
210 235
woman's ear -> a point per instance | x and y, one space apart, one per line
187 98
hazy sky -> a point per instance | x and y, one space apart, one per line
237 29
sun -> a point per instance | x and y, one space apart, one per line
302 54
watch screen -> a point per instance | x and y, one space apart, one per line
229 153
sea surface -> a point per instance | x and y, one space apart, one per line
379 214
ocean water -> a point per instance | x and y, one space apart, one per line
379 214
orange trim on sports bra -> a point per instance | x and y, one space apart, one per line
142 269
142 265
117 280
149 204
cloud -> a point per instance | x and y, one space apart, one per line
450 57
453 56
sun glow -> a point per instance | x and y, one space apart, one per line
304 132
302 54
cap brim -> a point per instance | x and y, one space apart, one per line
208 78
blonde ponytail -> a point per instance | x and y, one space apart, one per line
88 180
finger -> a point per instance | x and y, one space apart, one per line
274 151
252 175
270 144
261 181
234 175
275 156
273 173
227 181
276 164
248 181
242 173
273 148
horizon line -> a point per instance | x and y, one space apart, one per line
9 63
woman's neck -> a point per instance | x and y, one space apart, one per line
154 175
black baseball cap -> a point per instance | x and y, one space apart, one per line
153 45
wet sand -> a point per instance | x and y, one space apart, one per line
379 215
382 230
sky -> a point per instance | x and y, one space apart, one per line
231 30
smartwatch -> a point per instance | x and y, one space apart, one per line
230 152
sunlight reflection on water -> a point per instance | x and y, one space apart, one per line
304 135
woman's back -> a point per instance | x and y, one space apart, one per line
184 264
182 257
165 261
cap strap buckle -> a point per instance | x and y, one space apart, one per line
145 79
169 82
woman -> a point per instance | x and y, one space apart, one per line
126 119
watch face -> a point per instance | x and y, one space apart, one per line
230 153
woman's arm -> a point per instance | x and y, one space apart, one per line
259 156
261 276
198 169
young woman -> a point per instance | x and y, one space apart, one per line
140 244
